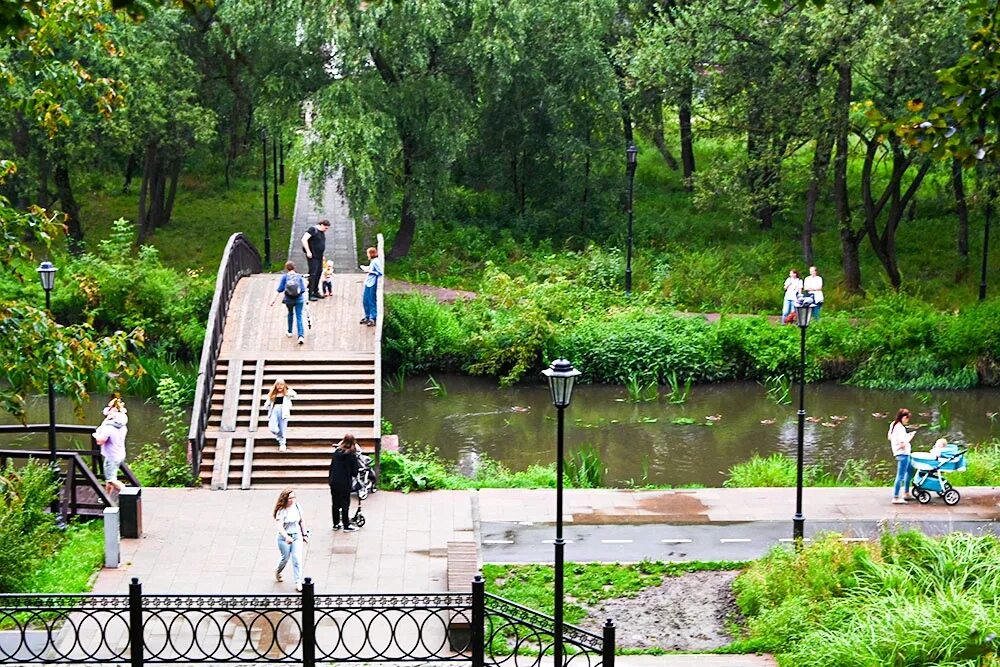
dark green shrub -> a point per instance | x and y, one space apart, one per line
27 530
421 334
166 464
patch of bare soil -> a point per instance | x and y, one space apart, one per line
685 613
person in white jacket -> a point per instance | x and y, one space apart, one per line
899 439
279 409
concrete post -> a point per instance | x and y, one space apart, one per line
112 539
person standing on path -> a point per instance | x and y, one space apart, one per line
368 299
314 245
813 285
292 534
279 409
293 288
900 441
110 436
343 470
793 285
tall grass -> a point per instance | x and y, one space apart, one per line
780 470
641 389
585 469
678 392
909 600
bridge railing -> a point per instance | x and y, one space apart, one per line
379 318
239 259
307 629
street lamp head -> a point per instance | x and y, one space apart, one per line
803 310
561 376
47 274
631 154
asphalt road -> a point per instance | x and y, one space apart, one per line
532 543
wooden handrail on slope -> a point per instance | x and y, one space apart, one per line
379 318
239 259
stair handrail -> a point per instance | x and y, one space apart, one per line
379 316
240 258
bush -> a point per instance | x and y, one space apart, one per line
27 530
421 334
910 600
156 466
780 470
420 468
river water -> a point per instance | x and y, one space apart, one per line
639 442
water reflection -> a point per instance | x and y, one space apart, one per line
644 442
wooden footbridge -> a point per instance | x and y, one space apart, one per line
336 372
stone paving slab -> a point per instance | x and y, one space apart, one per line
211 542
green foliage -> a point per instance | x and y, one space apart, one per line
27 531
119 288
780 470
420 334
167 465
420 468
678 393
640 390
779 388
71 568
838 604
982 466
584 468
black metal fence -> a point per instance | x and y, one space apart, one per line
139 629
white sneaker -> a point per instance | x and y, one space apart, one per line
277 576
898 501
288 334
301 340
298 587
282 448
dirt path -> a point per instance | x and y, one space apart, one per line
442 294
685 613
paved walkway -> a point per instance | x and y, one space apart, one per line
341 245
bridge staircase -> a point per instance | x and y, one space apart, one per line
336 373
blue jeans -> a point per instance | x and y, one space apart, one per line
787 309
296 308
903 475
293 551
278 424
815 311
369 302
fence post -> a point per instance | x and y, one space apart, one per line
135 622
608 647
308 623
477 634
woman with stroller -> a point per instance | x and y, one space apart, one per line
343 469
900 441
292 534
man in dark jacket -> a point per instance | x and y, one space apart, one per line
314 245
343 470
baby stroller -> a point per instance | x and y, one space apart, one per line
928 477
363 484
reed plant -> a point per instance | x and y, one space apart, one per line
678 392
435 388
585 469
779 388
641 389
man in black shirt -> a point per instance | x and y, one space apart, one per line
314 244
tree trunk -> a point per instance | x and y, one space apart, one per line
407 218
173 176
820 164
655 101
961 209
759 172
687 138
21 139
148 168
850 240
44 172
69 207
130 166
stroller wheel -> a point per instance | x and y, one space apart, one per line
923 496
951 497
359 520
362 493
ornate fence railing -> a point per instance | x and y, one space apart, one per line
239 259
139 629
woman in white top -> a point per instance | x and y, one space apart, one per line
793 285
291 535
279 409
813 284
900 441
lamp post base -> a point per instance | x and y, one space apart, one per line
798 529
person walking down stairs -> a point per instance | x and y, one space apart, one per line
293 288
279 409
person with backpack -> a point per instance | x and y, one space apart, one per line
314 245
293 288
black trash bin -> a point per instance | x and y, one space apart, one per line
130 511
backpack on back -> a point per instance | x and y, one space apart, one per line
293 286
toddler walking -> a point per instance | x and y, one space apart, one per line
327 281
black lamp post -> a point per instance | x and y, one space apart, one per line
561 376
990 193
267 222
631 154
803 313
47 275
274 170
